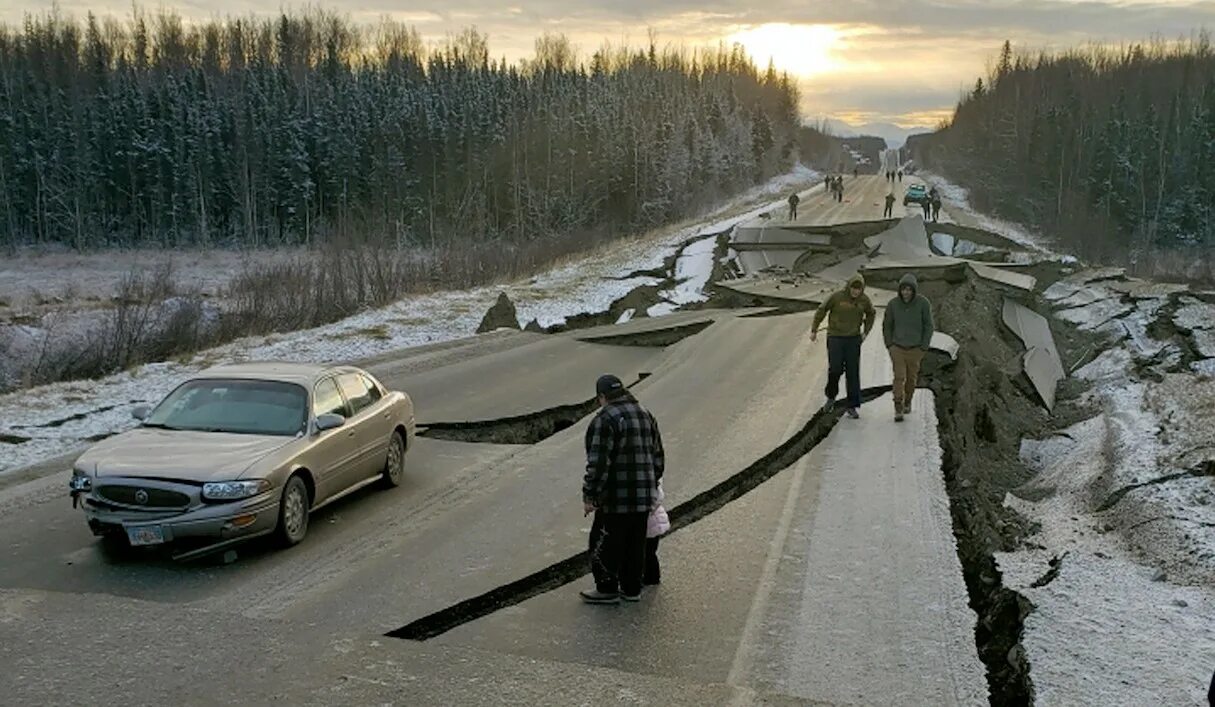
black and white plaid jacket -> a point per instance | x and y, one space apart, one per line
624 458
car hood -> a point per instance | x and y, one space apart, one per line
185 456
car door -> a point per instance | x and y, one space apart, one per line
370 427
335 451
384 422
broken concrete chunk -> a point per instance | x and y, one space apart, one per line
500 316
1097 274
1097 314
944 343
1086 295
1194 314
906 240
1061 290
1142 289
1204 342
534 327
1042 363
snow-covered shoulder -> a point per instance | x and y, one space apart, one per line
39 423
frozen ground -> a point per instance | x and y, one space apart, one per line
39 281
58 418
1125 507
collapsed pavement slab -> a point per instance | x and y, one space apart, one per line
1041 363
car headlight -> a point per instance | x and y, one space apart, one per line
234 490
81 481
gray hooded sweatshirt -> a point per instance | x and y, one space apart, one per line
908 324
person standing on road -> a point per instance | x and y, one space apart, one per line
794 200
926 206
900 176
851 318
907 330
936 207
889 212
624 463
839 189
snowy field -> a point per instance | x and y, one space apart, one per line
59 418
1125 507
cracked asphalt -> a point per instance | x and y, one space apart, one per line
834 582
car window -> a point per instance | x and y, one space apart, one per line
356 392
234 407
372 389
327 400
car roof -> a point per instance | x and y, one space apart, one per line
302 373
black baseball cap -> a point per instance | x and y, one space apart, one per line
608 384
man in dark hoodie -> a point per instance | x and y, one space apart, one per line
624 461
907 329
852 317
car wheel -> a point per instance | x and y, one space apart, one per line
293 512
394 468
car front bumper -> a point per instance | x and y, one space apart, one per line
197 521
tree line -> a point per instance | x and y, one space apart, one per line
283 130
1112 149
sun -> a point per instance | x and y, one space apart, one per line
803 50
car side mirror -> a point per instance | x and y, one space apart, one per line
140 412
329 421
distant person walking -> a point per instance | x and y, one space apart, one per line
794 200
907 330
936 204
856 172
839 189
827 182
851 317
926 206
900 176
624 463
889 212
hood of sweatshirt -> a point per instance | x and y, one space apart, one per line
856 279
909 280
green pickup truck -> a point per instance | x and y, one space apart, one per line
916 194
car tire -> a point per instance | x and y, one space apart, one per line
394 467
292 512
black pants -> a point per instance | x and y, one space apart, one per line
618 547
792 212
889 210
653 573
844 358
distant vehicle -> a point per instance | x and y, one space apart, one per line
916 194
242 451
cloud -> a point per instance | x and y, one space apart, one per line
894 59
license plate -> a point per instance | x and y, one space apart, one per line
146 535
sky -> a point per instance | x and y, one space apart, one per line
859 61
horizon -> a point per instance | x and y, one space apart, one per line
849 63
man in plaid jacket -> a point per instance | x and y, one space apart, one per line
624 461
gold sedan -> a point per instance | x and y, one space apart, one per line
243 451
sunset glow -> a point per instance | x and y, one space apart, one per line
802 50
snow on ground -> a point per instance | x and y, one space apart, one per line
1122 509
1108 629
693 269
59 418
957 209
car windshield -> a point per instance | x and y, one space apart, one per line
234 406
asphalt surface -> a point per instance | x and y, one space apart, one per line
834 582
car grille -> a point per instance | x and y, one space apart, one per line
131 496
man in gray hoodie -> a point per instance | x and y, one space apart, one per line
907 329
